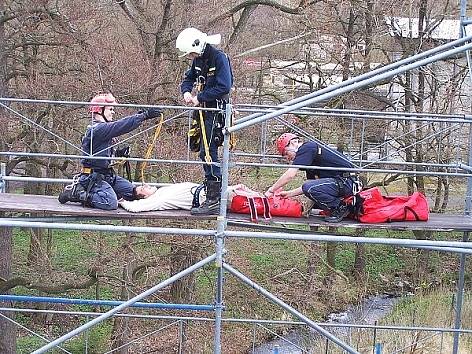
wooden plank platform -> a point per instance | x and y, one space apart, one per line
41 205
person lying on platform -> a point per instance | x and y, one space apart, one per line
176 196
97 185
326 188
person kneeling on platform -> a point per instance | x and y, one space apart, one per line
326 188
97 185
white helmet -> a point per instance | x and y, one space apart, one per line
191 40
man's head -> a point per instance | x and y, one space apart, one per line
101 109
287 145
143 191
192 42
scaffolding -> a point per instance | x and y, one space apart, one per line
258 115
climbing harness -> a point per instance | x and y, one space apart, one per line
123 152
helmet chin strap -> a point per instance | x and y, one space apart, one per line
103 115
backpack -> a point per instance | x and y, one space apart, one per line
373 207
266 207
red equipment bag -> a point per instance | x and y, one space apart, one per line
266 207
377 208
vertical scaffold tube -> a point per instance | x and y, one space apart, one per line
220 233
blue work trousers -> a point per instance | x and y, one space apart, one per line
325 192
212 172
106 192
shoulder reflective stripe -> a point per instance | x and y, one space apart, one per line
198 68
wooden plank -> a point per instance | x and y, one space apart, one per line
49 205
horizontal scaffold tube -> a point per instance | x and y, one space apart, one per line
63 300
126 304
240 320
82 103
365 77
356 83
460 247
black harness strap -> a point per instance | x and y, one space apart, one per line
196 195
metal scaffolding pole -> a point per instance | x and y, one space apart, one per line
456 246
365 76
62 300
220 234
126 304
355 84
468 203
290 309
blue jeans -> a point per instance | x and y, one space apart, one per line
212 172
105 193
325 192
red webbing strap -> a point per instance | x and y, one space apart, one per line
265 203
252 209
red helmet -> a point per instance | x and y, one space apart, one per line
102 100
283 141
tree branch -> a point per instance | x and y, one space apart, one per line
48 288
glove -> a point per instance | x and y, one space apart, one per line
187 97
151 113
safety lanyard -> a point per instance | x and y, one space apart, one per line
148 153
199 87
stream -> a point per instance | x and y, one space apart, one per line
301 341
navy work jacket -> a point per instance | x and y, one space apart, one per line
100 136
314 154
214 66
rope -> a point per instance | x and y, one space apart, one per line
204 137
150 147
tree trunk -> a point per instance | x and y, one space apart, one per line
37 254
314 255
422 257
183 255
121 330
359 261
7 329
331 256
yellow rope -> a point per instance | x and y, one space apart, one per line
148 153
204 137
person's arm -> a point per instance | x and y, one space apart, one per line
282 181
291 193
113 129
136 206
189 79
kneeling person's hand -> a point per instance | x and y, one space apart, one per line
151 113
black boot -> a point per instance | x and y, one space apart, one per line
73 193
338 214
211 205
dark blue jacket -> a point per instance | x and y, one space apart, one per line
314 154
101 134
214 66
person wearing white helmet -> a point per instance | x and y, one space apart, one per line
212 77
97 185
326 188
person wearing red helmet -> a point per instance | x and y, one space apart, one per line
326 188
97 185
